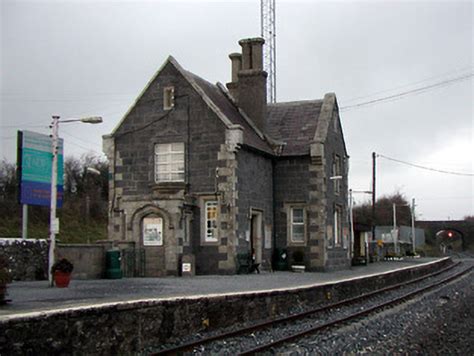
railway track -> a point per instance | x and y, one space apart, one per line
273 333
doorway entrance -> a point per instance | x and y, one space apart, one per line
256 233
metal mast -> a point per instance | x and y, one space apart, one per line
268 33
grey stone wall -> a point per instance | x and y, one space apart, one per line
27 259
88 259
328 142
131 152
338 257
255 187
292 179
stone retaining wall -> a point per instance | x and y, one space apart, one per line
125 328
27 258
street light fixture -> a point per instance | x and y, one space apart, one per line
53 220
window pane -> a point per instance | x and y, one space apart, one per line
176 177
298 233
162 148
211 221
298 215
163 158
177 157
177 147
162 177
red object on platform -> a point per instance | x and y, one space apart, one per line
62 279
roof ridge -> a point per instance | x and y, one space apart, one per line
294 102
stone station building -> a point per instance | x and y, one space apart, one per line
203 174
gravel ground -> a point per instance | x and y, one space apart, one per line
438 323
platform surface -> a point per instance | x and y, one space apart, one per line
37 296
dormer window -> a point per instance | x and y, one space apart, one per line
168 98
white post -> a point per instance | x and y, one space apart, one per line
351 217
24 220
52 218
413 232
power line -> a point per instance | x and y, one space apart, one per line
409 92
80 139
439 76
426 168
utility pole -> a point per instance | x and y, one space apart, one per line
394 231
413 236
351 221
374 156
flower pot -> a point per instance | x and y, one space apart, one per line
62 279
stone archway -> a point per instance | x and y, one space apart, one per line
157 251
450 240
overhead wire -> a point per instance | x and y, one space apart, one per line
408 92
464 69
426 168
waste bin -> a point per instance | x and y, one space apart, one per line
281 260
113 268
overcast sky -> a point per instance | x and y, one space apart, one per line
79 58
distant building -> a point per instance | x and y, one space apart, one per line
401 237
205 174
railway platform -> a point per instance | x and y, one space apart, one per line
37 296
129 315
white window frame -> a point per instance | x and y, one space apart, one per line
292 224
208 238
164 162
336 172
168 98
337 229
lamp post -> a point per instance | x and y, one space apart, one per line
53 220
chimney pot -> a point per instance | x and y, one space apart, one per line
236 59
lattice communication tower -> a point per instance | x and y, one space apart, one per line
268 32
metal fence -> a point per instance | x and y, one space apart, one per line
133 262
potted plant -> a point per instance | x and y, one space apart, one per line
61 271
298 261
5 278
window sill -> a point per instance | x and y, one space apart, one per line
168 187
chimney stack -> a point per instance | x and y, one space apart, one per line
236 59
249 81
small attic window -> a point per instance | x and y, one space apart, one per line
168 98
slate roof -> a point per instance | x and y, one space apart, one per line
215 94
294 123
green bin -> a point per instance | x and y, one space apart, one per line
280 260
113 268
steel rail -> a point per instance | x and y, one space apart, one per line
343 320
192 344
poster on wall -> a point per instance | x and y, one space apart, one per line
153 231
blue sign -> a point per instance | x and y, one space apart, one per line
35 162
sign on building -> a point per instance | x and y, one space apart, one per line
152 231
35 159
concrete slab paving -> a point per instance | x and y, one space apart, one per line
37 296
